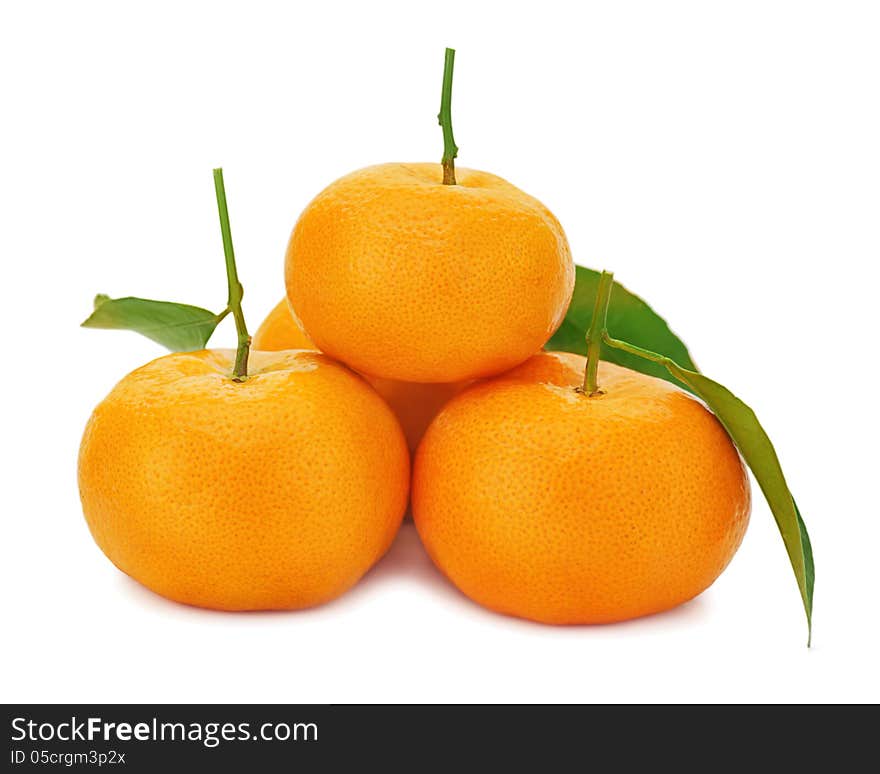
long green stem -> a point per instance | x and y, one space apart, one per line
450 149
595 333
236 291
632 349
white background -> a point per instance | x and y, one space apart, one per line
722 158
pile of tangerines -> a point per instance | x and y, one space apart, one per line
404 369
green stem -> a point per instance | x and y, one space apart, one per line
239 370
625 346
595 333
450 149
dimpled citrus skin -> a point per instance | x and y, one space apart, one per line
280 331
276 493
540 502
402 277
415 405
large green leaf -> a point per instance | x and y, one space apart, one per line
630 318
753 443
178 327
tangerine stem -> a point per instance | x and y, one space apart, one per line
450 149
632 349
595 333
236 291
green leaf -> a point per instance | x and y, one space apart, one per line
809 567
179 327
753 443
630 318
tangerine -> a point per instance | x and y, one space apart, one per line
539 501
278 492
403 277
